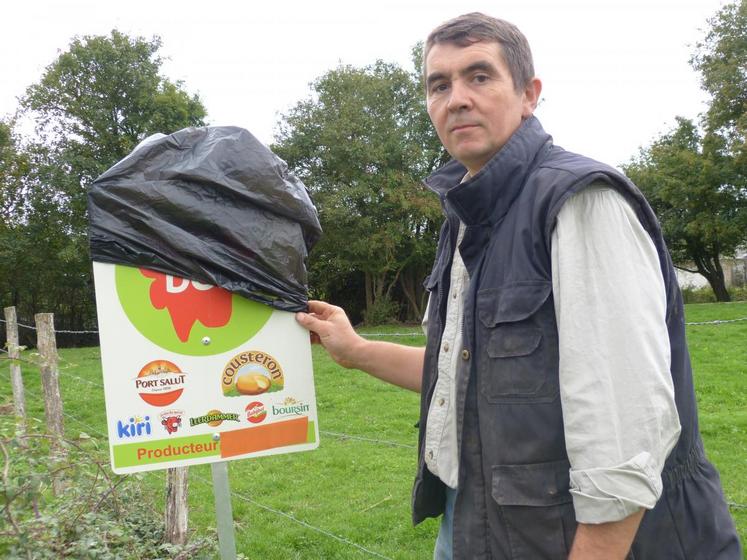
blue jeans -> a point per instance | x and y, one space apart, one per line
443 550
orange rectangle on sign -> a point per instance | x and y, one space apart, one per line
270 436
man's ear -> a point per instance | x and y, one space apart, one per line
531 97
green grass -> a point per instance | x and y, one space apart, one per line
351 497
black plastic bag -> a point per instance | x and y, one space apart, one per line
210 204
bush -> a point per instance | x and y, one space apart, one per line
98 515
383 310
706 295
698 295
739 294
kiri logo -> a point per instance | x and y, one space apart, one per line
134 427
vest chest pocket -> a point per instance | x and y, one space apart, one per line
517 344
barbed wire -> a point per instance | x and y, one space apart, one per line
372 440
92 430
301 522
393 334
718 322
55 330
397 334
68 374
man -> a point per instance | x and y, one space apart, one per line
558 416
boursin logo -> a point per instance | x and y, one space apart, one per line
290 407
135 426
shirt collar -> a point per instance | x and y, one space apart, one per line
486 197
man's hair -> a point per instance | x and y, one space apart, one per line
474 27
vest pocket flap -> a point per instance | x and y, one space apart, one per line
536 484
514 341
512 302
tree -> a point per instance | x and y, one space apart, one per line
362 143
96 102
690 186
92 105
721 59
697 181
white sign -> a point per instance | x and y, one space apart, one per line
194 374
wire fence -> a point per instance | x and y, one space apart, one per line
90 430
66 373
399 334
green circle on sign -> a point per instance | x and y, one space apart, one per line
133 288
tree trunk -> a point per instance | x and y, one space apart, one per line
710 268
409 288
47 346
176 516
16 380
369 291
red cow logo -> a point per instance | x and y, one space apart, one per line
171 423
189 301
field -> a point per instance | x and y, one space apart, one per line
351 497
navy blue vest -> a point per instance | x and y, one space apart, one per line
513 499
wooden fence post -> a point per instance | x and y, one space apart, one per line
47 346
176 505
14 353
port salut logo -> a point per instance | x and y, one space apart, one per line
160 383
185 316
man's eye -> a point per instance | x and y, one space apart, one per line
439 88
481 78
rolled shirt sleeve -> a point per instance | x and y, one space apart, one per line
616 391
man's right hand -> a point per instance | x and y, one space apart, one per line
394 363
330 327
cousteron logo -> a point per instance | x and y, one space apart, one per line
186 316
160 383
252 373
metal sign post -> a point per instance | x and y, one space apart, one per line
223 512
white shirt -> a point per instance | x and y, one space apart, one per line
616 390
441 455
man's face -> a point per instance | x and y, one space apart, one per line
472 101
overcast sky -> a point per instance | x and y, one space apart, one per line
615 72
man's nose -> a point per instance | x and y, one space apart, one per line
459 98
